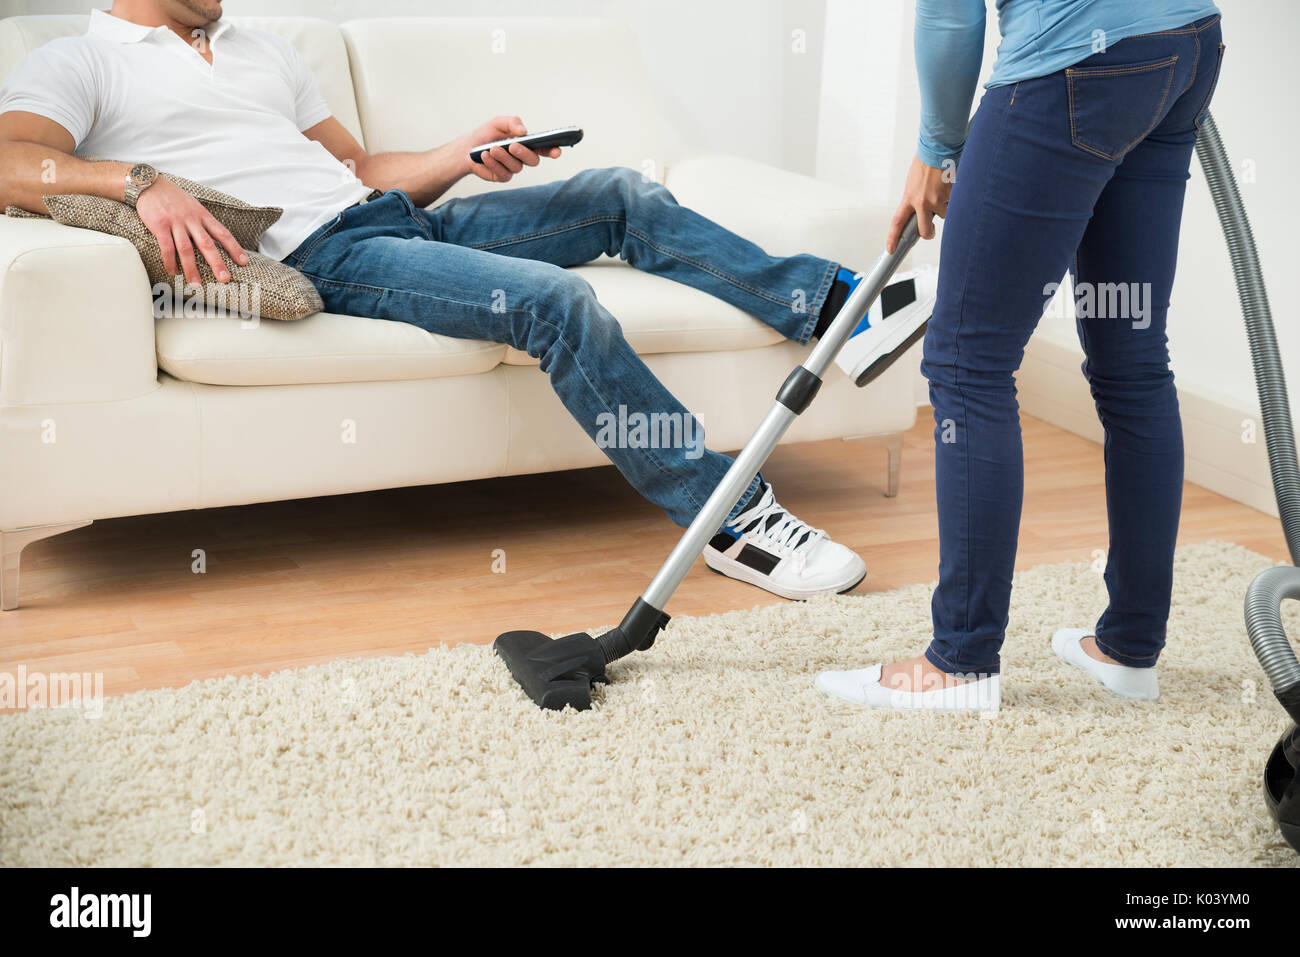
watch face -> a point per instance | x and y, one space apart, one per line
142 174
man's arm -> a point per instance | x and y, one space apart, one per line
426 176
36 160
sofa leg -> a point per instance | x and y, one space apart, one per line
893 444
12 543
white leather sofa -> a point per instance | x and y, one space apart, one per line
105 411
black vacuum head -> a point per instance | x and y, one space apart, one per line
553 672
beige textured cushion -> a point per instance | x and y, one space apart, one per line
264 287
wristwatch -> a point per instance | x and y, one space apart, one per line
140 177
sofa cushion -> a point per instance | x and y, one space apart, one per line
657 315
322 348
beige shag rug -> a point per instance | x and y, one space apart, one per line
713 749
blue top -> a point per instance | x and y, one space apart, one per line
1038 37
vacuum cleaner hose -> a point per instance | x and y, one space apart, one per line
1274 403
1269 590
1264 598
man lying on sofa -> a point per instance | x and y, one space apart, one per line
169 84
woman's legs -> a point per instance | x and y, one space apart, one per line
1022 201
1092 158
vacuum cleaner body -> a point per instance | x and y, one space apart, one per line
1282 785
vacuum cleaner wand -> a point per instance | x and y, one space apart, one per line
560 672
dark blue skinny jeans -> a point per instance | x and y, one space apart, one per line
1080 171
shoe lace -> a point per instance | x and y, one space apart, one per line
773 523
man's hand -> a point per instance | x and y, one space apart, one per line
499 163
926 194
181 224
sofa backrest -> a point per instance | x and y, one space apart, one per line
320 41
422 81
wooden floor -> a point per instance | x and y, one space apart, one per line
295 583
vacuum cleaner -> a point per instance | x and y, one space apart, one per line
1266 593
558 673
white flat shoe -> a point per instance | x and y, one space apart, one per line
863 687
1137 683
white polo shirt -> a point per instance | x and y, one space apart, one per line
143 95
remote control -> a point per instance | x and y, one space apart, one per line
562 136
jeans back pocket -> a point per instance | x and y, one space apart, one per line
1113 107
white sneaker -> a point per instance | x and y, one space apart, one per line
1137 683
895 321
767 546
863 687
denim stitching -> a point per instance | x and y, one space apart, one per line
419 221
1200 116
948 664
359 287
1070 75
1119 655
1196 62
1120 70
409 206
320 239
704 267
1179 30
544 233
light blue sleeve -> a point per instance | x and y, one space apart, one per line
949 44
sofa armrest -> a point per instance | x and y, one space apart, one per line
76 316
784 212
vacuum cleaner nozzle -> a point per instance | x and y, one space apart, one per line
560 672
553 672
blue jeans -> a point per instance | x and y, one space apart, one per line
1083 170
491 267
